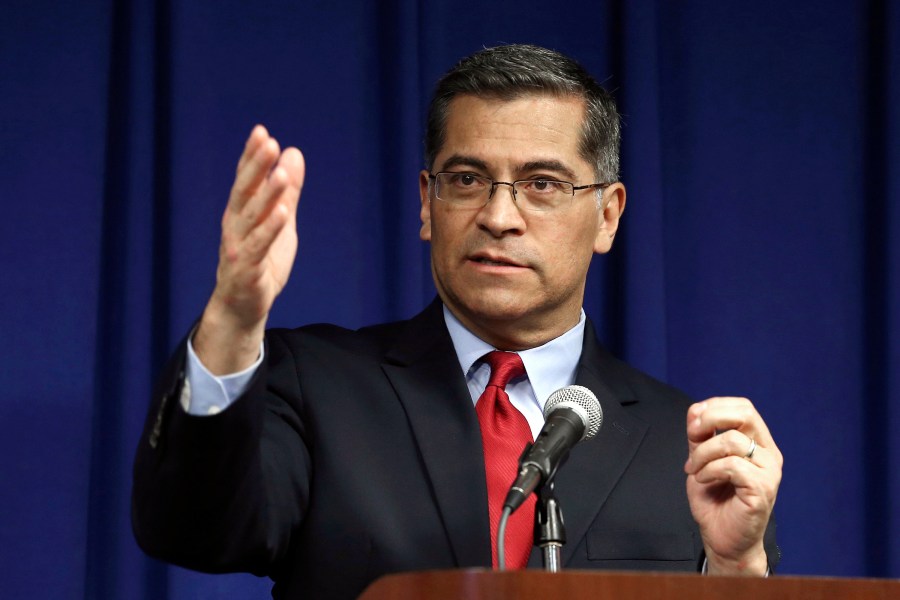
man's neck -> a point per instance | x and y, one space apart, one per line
514 335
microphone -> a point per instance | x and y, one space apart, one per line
571 414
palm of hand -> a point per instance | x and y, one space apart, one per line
728 521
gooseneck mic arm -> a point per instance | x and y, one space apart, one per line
549 529
571 414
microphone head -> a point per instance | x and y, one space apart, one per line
580 400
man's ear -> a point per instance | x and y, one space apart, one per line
613 204
425 212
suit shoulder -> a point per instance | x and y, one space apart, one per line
644 379
640 385
325 336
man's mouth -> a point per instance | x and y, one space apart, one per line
497 263
492 260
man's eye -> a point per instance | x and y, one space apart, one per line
466 180
543 185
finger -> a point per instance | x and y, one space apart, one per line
721 403
706 419
748 479
294 165
730 443
258 207
260 239
282 186
286 183
257 136
253 172
247 252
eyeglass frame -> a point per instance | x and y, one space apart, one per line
494 184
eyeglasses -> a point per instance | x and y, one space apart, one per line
474 191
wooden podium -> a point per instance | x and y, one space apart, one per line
480 584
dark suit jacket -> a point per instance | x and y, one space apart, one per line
358 453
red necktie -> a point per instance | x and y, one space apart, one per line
504 433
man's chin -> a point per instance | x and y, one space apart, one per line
492 308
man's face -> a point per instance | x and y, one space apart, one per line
516 277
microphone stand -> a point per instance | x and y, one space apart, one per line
549 529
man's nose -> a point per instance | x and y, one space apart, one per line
501 214
496 184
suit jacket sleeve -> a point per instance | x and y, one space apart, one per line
380 418
203 495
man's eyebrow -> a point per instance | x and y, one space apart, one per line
547 165
459 160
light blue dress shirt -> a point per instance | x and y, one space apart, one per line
549 367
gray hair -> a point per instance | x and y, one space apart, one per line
512 71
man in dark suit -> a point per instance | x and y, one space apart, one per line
324 457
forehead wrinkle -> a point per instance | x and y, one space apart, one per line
518 136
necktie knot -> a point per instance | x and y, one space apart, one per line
505 366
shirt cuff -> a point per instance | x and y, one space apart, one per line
205 394
705 569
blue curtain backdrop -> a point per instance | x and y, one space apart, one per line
760 254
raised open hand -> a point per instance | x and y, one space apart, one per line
259 244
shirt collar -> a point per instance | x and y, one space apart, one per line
549 367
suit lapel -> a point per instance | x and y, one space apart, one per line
597 464
424 371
